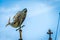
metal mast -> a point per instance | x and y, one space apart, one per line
57 27
20 31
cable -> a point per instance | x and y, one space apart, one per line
57 27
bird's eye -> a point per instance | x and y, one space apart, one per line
25 11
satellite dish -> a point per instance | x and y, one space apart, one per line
18 19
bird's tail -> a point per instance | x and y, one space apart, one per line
8 22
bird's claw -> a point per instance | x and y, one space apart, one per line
20 27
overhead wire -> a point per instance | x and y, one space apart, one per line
57 27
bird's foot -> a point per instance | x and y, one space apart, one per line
20 27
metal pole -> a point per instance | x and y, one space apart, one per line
57 27
20 32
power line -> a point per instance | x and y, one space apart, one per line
57 27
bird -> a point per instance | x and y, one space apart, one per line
18 19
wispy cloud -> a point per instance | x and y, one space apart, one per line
33 10
9 10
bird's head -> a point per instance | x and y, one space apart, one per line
25 10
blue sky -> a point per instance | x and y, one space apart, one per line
41 16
